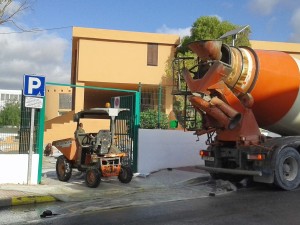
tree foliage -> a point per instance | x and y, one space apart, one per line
10 115
211 28
150 119
10 8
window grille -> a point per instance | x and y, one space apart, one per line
65 101
152 55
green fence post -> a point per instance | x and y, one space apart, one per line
159 104
137 118
40 140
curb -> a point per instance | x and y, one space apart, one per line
23 200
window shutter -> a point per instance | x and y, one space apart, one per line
152 55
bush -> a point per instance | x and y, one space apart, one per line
10 115
149 120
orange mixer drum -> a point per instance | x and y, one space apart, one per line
271 77
276 92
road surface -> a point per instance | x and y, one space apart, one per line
256 205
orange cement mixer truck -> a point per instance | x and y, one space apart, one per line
238 91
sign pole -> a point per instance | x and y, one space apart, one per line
30 147
34 91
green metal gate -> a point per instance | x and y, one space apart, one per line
25 129
127 123
126 129
38 133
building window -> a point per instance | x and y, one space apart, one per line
151 97
65 101
13 97
152 55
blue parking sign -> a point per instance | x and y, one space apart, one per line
34 85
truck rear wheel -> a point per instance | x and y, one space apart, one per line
287 169
92 177
63 168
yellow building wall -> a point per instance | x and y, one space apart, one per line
52 101
78 101
291 48
120 62
117 59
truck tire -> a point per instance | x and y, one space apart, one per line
125 175
63 168
287 169
92 177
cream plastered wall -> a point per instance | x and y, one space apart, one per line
52 100
116 57
119 62
290 48
78 100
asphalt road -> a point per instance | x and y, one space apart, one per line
256 205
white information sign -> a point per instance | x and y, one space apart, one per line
33 102
117 102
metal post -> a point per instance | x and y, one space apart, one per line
137 115
159 105
41 139
112 128
234 37
30 147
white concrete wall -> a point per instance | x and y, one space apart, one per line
14 167
160 149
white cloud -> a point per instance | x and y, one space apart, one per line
32 53
179 31
295 21
264 7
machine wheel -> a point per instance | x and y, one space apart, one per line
63 168
287 173
92 177
125 175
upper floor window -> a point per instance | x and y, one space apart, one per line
152 55
65 101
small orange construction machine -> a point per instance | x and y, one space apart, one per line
93 153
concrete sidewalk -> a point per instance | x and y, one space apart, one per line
172 184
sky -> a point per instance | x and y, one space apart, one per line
48 51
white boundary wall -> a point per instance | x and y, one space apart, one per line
14 168
160 149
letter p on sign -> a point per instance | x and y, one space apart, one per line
34 86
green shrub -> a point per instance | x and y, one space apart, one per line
149 120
